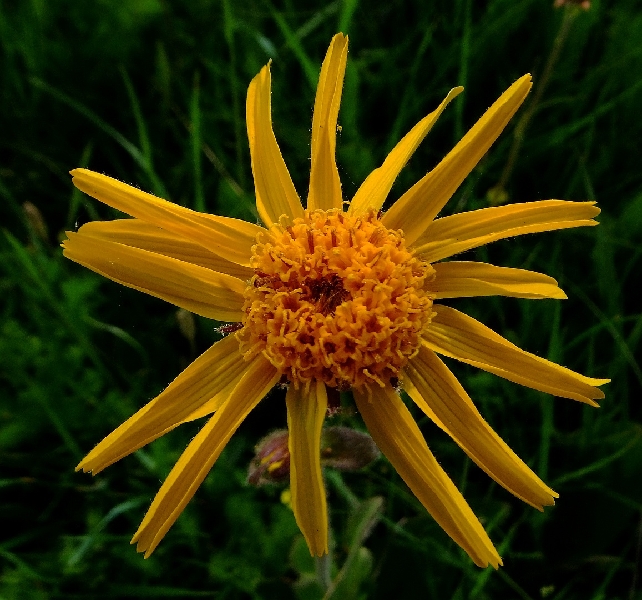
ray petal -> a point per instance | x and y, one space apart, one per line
459 336
374 190
194 288
456 233
325 185
143 235
275 193
440 396
464 279
398 437
230 238
416 209
201 454
204 385
306 412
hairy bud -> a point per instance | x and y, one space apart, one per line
341 448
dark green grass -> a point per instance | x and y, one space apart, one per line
153 93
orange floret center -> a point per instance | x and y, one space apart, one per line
335 298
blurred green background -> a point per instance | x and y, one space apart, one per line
153 93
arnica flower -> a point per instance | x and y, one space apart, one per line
332 297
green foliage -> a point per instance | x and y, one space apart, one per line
153 93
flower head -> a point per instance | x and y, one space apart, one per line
335 298
329 298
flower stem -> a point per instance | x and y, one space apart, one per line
323 566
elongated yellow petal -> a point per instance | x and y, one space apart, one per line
416 209
459 336
143 235
275 193
204 382
325 185
375 189
201 454
197 289
214 403
458 279
230 238
306 412
454 234
398 437
440 396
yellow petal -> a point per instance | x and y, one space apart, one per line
325 185
205 384
416 209
197 289
275 193
454 234
230 238
201 454
140 234
398 437
458 279
374 190
459 336
306 411
440 396
214 403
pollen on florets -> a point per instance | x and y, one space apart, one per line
335 298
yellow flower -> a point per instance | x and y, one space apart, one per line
329 297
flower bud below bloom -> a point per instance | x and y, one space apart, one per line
583 4
271 462
341 448
346 449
